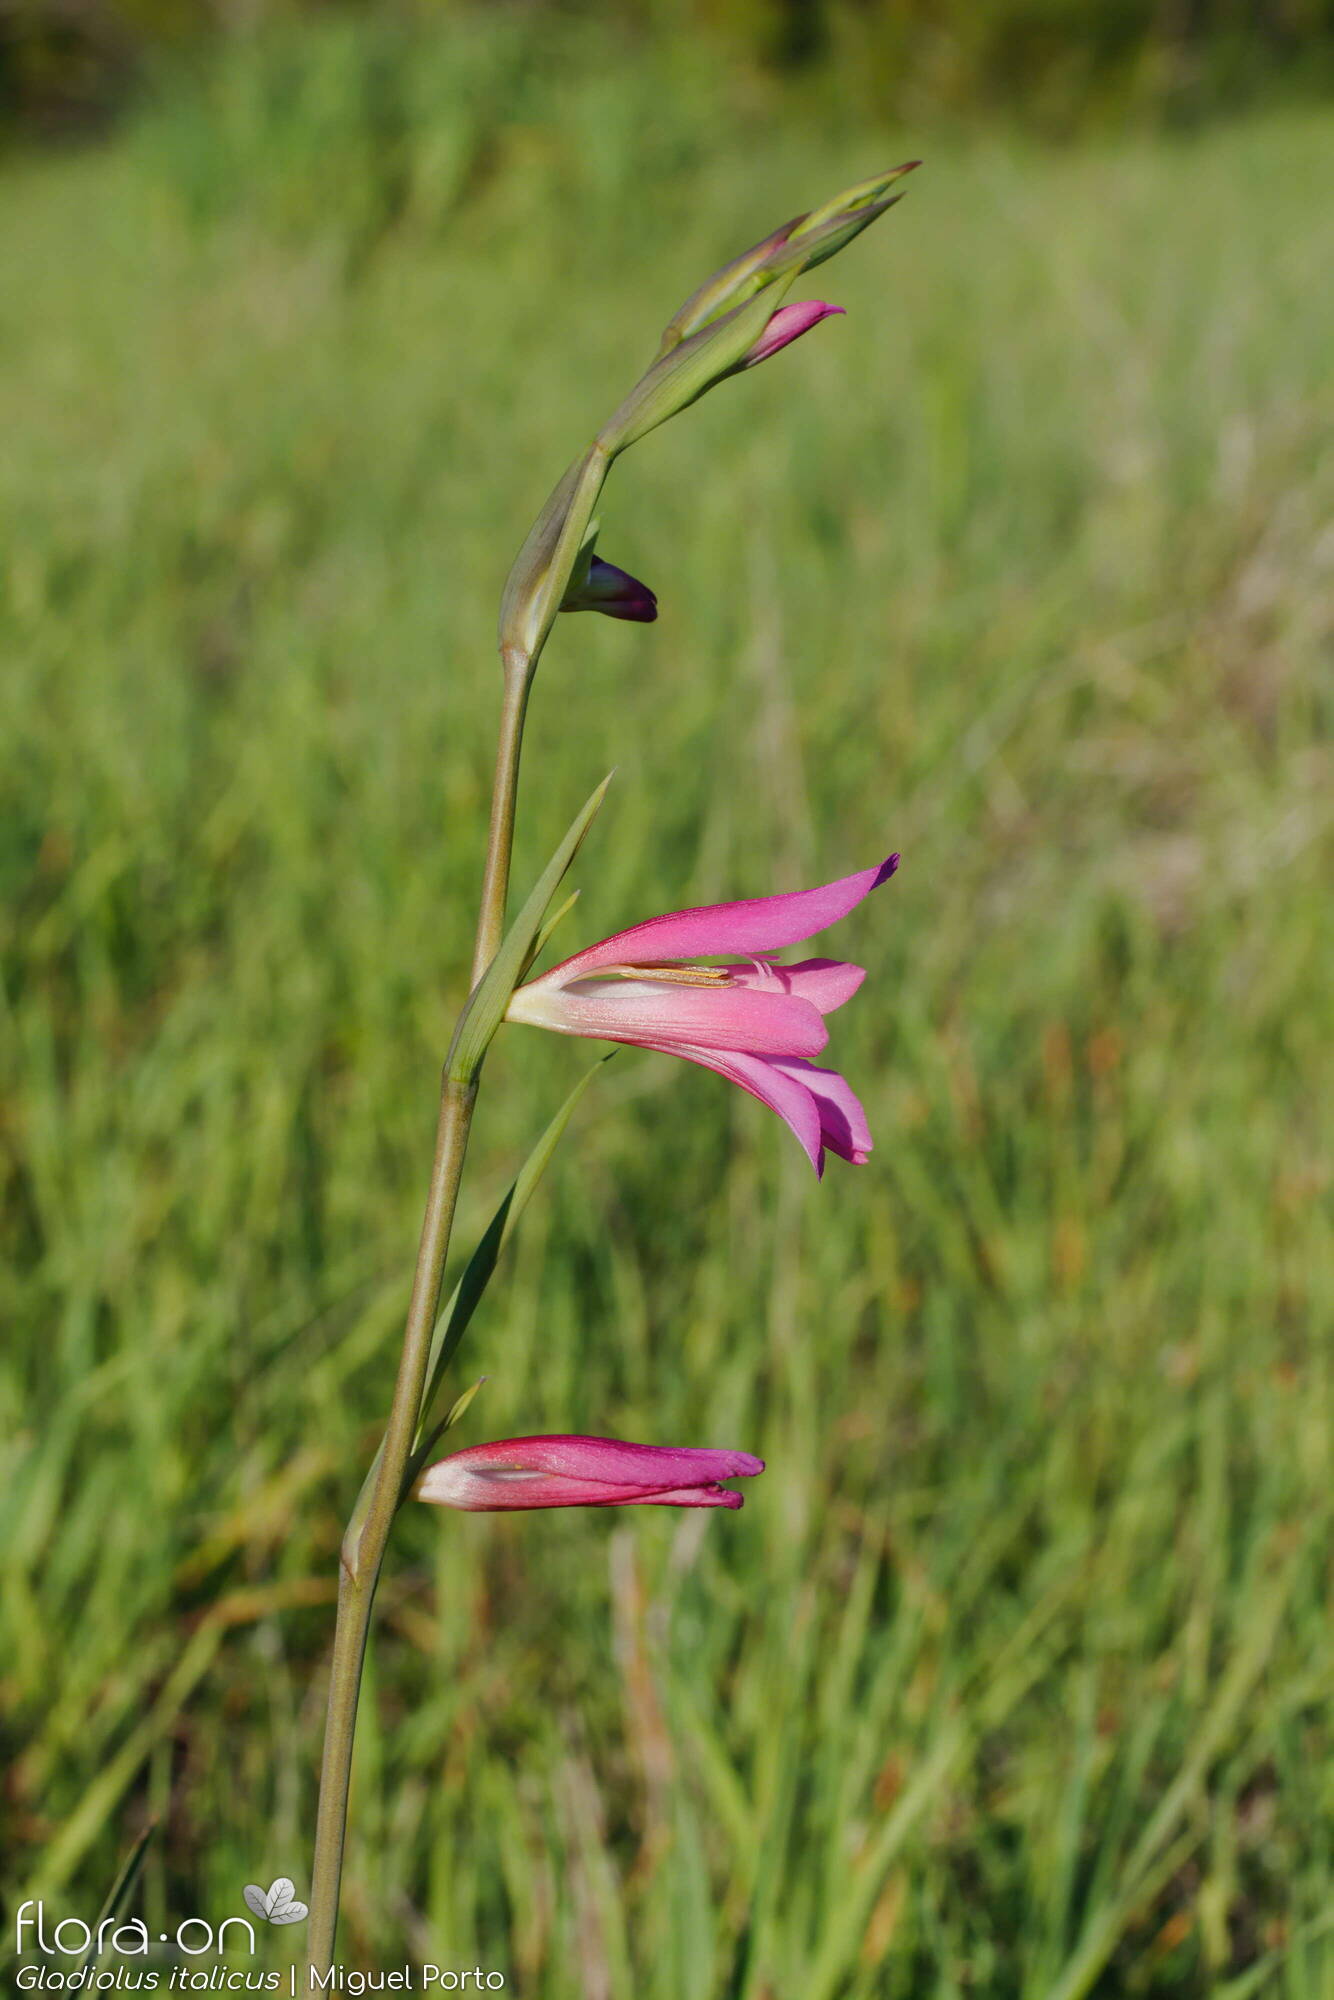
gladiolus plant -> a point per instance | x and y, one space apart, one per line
704 984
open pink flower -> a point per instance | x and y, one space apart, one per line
583 1472
756 1023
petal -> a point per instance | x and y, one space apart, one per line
574 1456
826 982
761 924
686 1496
653 1012
481 1490
785 1094
843 1125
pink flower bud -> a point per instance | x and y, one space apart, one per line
786 325
583 1472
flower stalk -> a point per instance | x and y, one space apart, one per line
364 1544
367 1535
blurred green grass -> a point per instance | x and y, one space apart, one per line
1011 1678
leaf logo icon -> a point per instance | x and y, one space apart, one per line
277 1904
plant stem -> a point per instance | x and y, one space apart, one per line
500 844
364 1547
367 1533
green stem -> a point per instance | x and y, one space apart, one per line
366 1540
500 843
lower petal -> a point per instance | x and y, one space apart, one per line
686 1496
760 924
843 1125
789 1097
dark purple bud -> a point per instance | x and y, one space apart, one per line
613 591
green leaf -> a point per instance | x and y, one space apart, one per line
485 1009
118 1897
460 1406
467 1294
452 1322
552 924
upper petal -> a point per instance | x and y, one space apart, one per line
581 1457
760 924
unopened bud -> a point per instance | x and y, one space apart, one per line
614 591
830 228
864 196
786 325
799 245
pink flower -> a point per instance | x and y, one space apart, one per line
583 1472
756 1023
614 591
785 326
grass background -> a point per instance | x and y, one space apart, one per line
1011 1678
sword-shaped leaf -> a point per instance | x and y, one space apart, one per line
452 1322
491 996
466 1296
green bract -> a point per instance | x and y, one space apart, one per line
731 286
684 374
544 565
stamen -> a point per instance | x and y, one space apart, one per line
670 974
